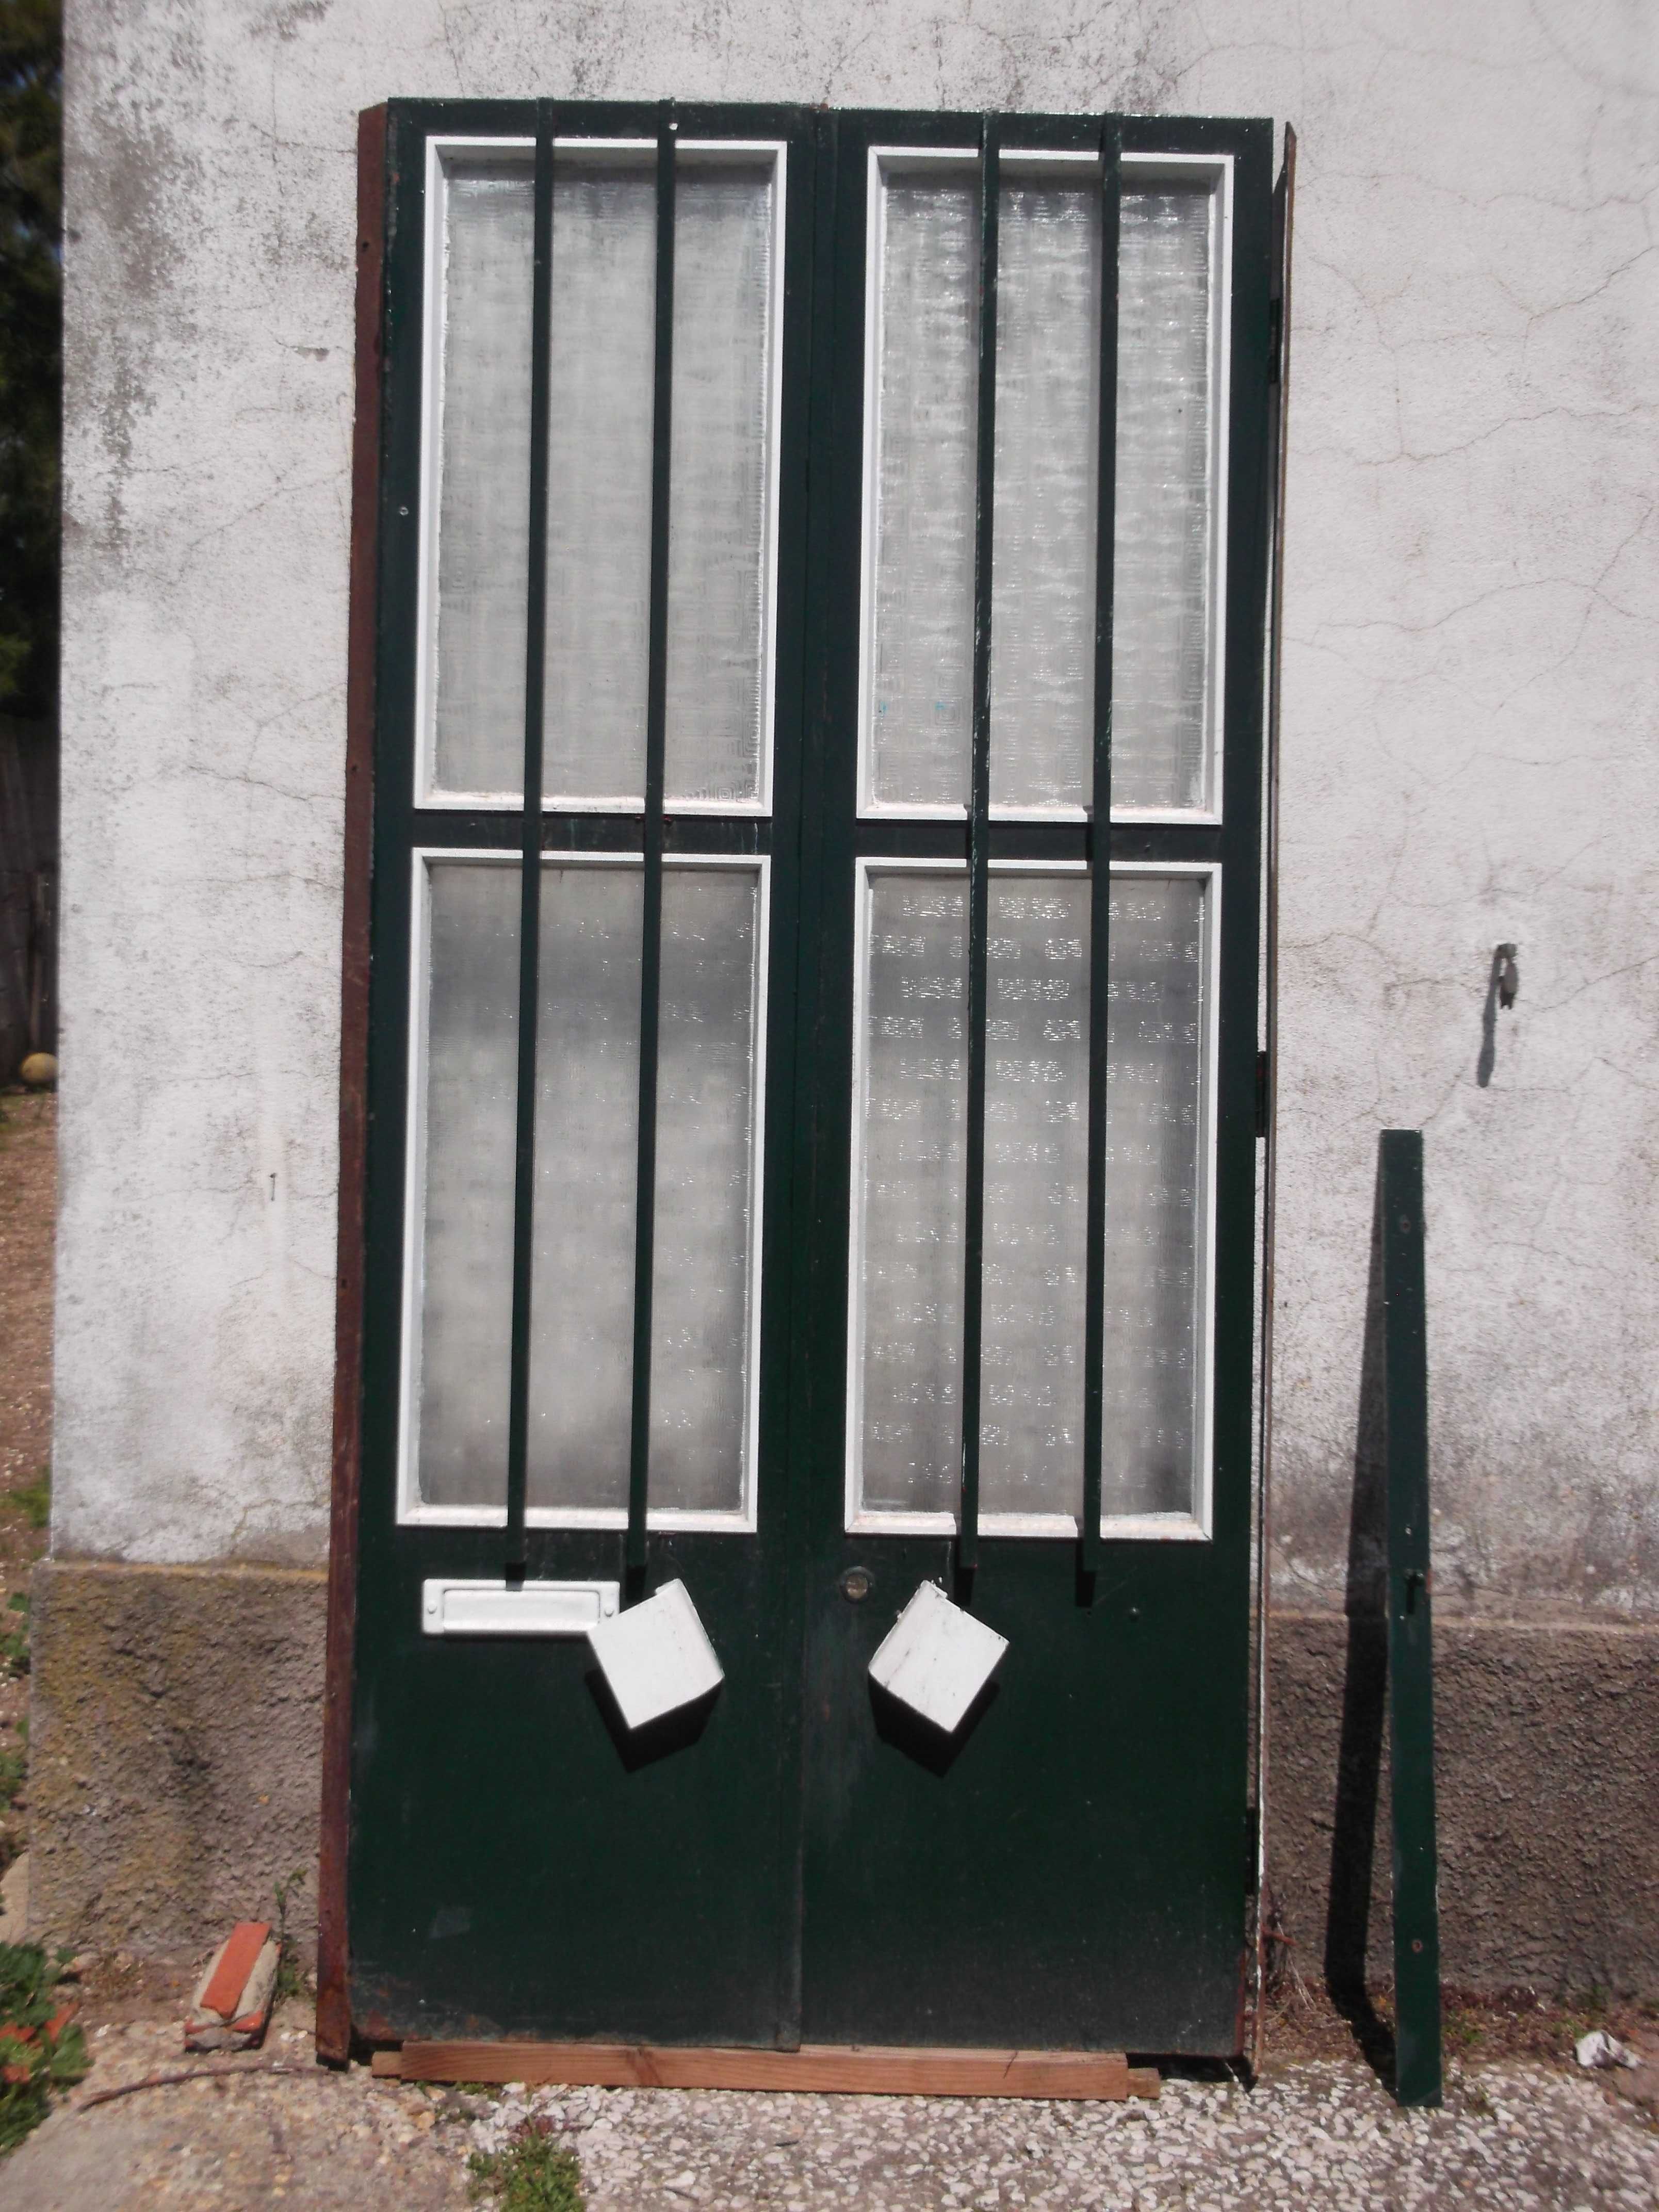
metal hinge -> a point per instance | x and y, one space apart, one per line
1260 1094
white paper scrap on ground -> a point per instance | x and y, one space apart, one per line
656 1656
937 1659
1598 2048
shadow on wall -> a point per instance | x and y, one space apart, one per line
1365 1685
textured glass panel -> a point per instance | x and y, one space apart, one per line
911 1195
1154 1193
587 1134
1161 624
920 688
706 1197
599 507
723 278
1048 427
482 492
912 1199
1036 1165
587 1067
465 1248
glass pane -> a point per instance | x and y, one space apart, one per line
706 1195
717 566
602 372
586 1131
587 1096
1161 630
482 493
463 1249
920 686
1047 435
912 1194
1154 1193
910 1198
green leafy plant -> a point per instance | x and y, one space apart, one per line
15 1648
41 2049
534 2174
34 1499
14 1765
290 1979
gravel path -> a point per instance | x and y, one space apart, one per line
1322 2136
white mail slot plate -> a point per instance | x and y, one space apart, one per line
937 1659
451 1608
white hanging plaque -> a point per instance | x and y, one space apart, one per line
937 1659
656 1656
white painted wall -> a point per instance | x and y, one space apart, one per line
1470 741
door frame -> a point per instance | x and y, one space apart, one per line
336 2028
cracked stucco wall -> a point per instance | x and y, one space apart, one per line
1469 736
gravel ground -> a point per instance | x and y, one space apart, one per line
1321 2134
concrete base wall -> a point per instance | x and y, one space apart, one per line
177 1740
175 1752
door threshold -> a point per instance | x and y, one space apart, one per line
855 2069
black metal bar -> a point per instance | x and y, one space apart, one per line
1410 1650
1100 844
530 905
644 1215
979 855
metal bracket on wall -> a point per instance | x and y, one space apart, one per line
1411 1654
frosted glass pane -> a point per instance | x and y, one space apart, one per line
482 490
920 686
463 1250
581 1303
1161 629
723 278
911 1195
598 508
909 1198
1048 427
1154 1193
586 1128
706 1197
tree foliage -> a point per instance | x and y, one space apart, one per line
31 349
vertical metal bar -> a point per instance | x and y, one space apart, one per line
979 853
1411 1653
530 905
651 923
1284 238
1100 855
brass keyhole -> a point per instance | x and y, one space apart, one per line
856 1585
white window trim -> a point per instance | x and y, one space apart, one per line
705 152
1145 169
1194 1527
412 1510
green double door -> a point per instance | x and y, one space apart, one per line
749 574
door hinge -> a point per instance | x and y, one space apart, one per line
1261 1094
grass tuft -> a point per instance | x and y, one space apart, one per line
534 2174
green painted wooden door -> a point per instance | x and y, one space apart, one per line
743 505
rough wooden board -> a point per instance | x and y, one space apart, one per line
821 2067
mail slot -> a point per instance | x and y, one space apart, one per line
500 1609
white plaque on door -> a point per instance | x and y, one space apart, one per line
656 1656
937 1659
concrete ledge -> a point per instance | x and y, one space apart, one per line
177 1737
176 1752
1546 1738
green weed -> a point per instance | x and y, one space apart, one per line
15 1648
290 1980
34 1499
534 2174
14 1765
40 2052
